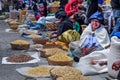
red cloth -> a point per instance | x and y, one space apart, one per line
70 8
37 17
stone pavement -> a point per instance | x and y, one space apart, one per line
7 71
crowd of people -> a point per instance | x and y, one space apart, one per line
95 38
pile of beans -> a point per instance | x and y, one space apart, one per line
19 58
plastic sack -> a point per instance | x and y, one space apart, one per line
114 55
42 20
87 68
33 25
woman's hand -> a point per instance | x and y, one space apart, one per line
86 51
116 65
89 50
83 51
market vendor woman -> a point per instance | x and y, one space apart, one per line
68 30
93 38
64 25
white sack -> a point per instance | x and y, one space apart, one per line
87 68
114 55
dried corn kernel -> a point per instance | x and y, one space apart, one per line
53 51
60 57
39 71
68 73
34 36
20 42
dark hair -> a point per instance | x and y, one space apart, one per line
60 14
23 5
76 16
74 3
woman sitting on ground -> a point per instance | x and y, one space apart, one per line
68 30
93 38
65 24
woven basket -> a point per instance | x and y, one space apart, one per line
60 63
52 26
53 9
20 46
40 40
13 26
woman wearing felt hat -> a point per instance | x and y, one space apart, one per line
93 38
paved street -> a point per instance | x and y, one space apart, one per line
7 71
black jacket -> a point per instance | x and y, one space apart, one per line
92 8
115 4
64 26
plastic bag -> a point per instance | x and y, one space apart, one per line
113 56
89 69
